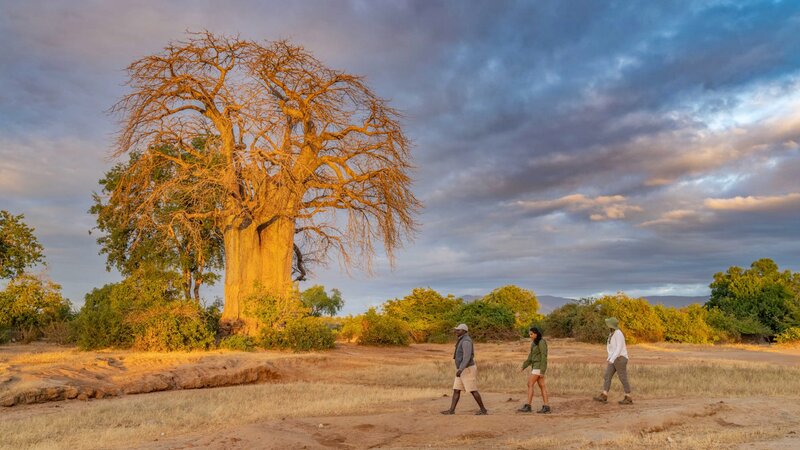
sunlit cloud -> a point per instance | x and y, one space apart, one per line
604 207
755 203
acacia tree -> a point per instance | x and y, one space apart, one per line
299 159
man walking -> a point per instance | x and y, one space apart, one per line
617 363
466 371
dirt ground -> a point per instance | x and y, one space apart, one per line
673 421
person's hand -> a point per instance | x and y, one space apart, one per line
458 372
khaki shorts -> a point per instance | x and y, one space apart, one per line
468 381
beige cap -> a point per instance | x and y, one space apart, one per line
462 326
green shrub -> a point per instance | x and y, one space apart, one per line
428 314
378 329
789 336
146 311
487 321
28 305
561 322
728 328
274 311
177 325
523 304
637 319
589 324
240 342
686 324
308 333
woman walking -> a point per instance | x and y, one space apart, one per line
537 361
617 363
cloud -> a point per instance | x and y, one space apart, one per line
604 207
755 203
525 119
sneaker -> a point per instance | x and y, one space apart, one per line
525 408
626 401
545 410
482 412
447 412
602 398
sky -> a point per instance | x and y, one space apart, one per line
571 148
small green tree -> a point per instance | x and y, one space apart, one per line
319 302
522 303
19 248
762 293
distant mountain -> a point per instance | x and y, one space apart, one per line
547 303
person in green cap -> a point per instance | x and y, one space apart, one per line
617 362
537 360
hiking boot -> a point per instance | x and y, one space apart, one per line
447 412
602 398
482 412
525 408
626 401
545 410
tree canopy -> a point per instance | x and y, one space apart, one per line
19 248
320 302
762 293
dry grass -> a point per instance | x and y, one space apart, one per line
144 418
717 379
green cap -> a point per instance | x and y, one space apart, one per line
612 322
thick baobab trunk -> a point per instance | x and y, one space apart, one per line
255 259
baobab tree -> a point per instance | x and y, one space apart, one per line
299 160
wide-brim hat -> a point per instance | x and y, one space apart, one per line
612 322
462 327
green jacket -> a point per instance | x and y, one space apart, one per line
537 358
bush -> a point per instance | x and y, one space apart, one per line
522 303
789 336
274 311
238 342
372 328
28 305
561 322
428 314
637 319
487 321
308 333
686 324
58 333
728 328
177 325
589 325
146 311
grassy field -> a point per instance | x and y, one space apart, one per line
355 397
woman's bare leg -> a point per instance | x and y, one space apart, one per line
543 388
531 384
